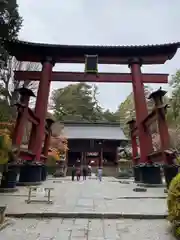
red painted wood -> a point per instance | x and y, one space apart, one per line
163 131
21 121
46 144
151 118
37 133
133 128
82 77
145 140
32 117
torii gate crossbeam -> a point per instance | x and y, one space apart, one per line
83 77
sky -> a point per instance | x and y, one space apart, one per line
104 22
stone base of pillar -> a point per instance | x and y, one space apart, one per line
170 171
44 172
59 173
9 178
151 175
30 174
137 174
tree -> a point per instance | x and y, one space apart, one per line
8 85
97 108
175 139
126 110
10 22
76 102
110 116
173 115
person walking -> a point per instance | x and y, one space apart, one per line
89 171
78 173
100 174
73 172
84 172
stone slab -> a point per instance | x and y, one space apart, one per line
73 229
89 196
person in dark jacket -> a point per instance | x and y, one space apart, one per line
78 173
84 172
73 172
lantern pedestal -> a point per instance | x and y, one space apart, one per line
60 171
150 174
30 174
44 172
9 178
137 174
125 167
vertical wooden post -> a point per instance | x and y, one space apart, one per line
47 139
170 169
157 96
132 125
22 119
145 140
37 133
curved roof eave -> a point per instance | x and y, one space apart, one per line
21 48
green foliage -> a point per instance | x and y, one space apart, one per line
174 204
5 146
79 102
111 116
51 161
11 23
173 115
126 110
5 111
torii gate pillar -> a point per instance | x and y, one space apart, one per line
47 141
135 157
32 171
145 139
170 167
37 132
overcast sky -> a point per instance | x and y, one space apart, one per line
106 22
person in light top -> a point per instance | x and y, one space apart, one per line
89 170
100 174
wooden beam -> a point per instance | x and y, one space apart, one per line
150 119
32 118
82 77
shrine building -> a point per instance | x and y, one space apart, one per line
93 143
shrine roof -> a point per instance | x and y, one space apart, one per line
98 130
29 51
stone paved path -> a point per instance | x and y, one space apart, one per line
84 229
89 196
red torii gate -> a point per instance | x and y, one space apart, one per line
162 157
83 77
133 56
